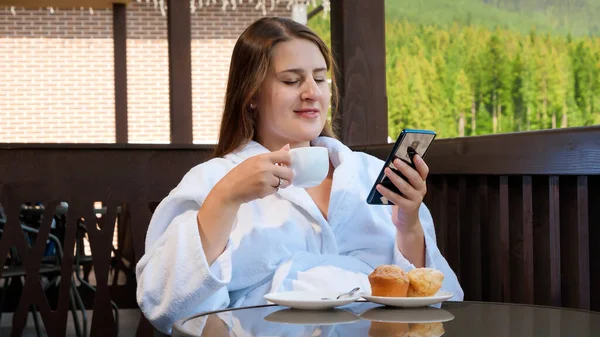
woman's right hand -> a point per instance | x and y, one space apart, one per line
256 177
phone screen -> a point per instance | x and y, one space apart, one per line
409 143
413 143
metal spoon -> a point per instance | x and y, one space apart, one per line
349 294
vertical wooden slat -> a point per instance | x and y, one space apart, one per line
583 239
594 238
516 238
521 239
451 191
504 240
527 249
471 241
120 54
547 244
484 213
574 242
428 200
463 222
437 206
494 241
442 198
541 246
358 43
180 71
554 226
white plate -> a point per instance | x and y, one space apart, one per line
312 317
309 300
410 302
413 315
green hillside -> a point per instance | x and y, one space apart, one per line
578 17
511 69
557 17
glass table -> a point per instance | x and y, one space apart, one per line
373 320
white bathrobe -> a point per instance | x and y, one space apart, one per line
279 243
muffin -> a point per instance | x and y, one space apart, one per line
424 282
385 329
426 329
389 281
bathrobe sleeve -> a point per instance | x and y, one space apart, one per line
174 278
433 256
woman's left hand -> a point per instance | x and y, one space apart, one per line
405 213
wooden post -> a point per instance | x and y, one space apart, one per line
358 43
120 55
179 22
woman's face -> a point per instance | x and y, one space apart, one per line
293 100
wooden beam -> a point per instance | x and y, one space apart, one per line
120 53
570 151
67 4
179 22
358 43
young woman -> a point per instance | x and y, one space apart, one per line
234 229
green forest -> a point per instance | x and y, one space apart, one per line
523 65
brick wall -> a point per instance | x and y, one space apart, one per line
56 72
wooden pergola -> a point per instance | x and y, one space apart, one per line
514 213
358 42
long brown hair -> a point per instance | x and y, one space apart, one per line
248 68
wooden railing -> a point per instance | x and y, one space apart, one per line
129 178
516 215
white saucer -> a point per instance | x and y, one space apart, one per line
410 302
309 300
311 317
413 315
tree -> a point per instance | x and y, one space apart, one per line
463 100
584 80
543 69
465 80
498 82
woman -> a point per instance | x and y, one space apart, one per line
234 230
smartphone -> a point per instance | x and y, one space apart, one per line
409 143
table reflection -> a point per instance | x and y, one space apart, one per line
463 319
364 319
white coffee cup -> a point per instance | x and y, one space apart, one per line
310 165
